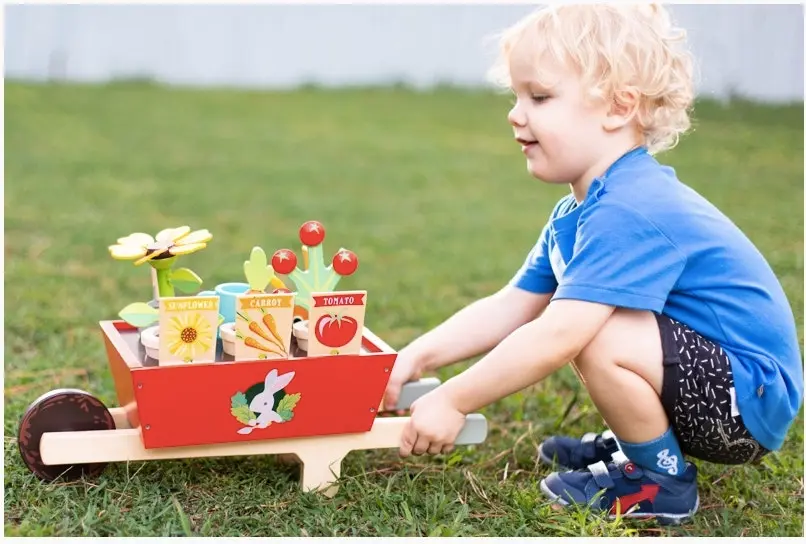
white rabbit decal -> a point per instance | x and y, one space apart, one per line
263 403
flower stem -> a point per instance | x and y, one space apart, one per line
154 285
164 283
163 269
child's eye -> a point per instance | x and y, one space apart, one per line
539 98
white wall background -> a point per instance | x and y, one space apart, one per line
753 51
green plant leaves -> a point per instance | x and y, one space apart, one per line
185 280
139 314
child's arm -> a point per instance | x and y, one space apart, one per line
529 354
479 326
474 329
525 357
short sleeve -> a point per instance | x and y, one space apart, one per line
621 259
536 275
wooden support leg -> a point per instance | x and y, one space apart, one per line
320 471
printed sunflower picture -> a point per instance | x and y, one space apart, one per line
188 327
188 336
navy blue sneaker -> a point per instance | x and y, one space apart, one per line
623 488
577 453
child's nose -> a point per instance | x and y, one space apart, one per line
516 117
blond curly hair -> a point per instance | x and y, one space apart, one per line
615 48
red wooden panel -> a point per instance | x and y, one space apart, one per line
191 405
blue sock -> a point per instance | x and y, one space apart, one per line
659 455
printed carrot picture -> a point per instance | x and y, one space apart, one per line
271 324
264 322
252 343
255 327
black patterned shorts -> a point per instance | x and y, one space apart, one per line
699 398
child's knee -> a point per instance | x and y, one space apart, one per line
630 340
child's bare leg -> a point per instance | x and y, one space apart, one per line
622 369
639 368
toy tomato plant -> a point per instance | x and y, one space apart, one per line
345 262
335 331
314 276
284 261
312 233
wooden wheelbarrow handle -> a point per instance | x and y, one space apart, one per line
412 391
321 456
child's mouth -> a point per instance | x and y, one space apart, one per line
526 144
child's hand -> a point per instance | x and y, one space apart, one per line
407 368
434 425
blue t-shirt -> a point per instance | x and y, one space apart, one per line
641 239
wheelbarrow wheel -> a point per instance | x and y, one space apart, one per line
61 410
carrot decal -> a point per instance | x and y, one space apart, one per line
271 324
252 343
255 328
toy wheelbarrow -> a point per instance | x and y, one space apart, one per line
317 409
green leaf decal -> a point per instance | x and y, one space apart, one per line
139 314
185 280
288 403
238 399
240 409
256 269
285 414
243 414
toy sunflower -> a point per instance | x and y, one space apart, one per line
161 252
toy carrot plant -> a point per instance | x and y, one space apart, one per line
161 252
259 273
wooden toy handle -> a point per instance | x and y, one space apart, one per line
321 456
474 431
412 391
119 445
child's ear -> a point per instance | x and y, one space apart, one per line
623 108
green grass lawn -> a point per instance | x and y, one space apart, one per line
432 194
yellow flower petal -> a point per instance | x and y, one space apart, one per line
172 235
151 256
127 252
186 249
165 235
180 233
136 239
195 237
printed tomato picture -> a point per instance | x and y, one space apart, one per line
336 322
335 331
